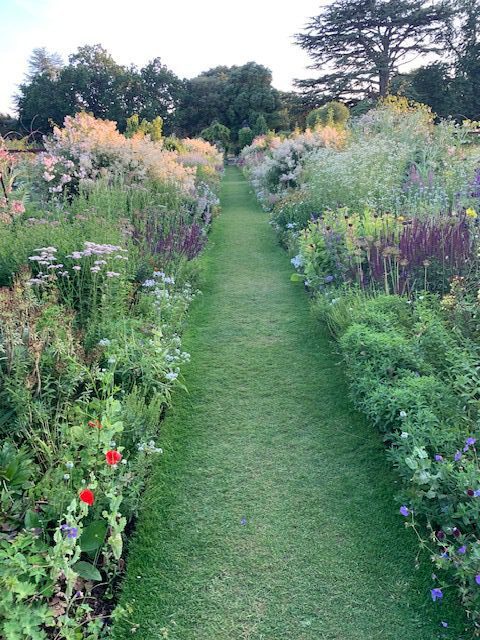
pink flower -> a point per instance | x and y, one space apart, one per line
48 176
17 207
49 161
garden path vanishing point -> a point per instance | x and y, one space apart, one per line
271 513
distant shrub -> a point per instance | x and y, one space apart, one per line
332 114
245 137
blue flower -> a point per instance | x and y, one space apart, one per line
462 550
405 511
438 458
444 624
457 456
477 578
72 532
470 442
329 279
437 594
297 261
243 521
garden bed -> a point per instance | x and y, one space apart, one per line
97 271
380 217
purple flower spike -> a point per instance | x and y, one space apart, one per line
438 458
437 594
458 455
405 511
470 442
462 550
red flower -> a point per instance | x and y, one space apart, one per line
113 457
86 495
96 424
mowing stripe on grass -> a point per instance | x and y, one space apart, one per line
271 513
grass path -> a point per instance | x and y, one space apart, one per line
270 516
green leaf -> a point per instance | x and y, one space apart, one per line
116 544
410 462
297 277
87 571
32 520
93 536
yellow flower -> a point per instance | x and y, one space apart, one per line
471 213
448 301
400 218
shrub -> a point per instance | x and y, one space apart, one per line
331 114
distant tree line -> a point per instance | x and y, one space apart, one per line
361 50
240 98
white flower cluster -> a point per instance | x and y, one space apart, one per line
149 447
46 258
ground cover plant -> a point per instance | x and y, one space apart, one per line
99 236
383 231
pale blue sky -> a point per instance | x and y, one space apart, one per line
189 35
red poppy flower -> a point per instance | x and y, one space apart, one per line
113 457
96 424
87 496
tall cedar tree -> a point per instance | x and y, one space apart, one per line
358 45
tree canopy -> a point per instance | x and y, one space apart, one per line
93 81
450 86
234 96
358 45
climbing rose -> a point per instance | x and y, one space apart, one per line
113 457
86 495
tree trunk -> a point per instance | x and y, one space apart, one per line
384 77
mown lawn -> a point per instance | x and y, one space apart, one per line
271 514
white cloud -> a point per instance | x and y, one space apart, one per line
188 35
